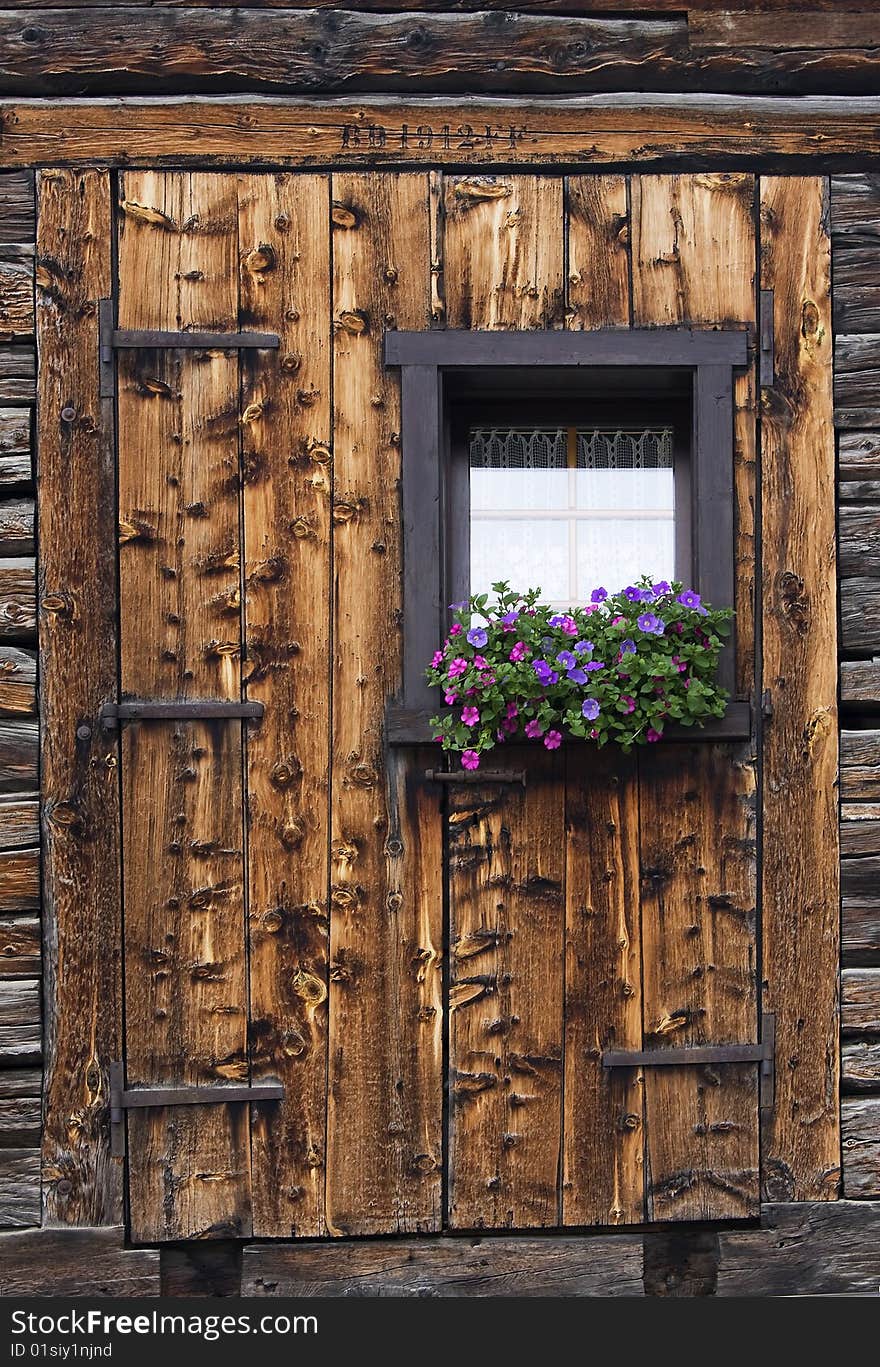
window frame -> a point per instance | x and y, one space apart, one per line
432 363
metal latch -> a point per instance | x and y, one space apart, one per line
476 776
122 1100
114 714
112 338
763 1053
767 342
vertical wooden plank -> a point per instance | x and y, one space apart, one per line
284 236
506 903
503 261
800 848
384 1141
598 283
697 816
694 262
186 992
79 789
603 1174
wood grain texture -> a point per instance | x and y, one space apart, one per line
697 821
821 1248
860 1001
800 878
693 248
428 6
603 1179
584 133
860 1066
17 385
18 605
598 284
19 820
19 1188
384 1100
19 755
77 1262
18 220
180 600
860 681
20 1123
284 252
16 300
18 684
15 436
856 377
20 946
860 1134
79 777
17 526
503 269
19 880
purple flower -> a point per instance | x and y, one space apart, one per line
557 620
470 716
477 637
653 735
566 659
594 664
598 595
583 647
651 625
437 659
510 617
627 647
534 729
627 703
470 760
661 588
590 709
553 740
455 629
577 676
633 594
518 653
450 698
457 607
512 710
689 599
545 673
458 666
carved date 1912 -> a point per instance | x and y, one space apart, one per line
424 136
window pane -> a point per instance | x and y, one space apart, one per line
567 509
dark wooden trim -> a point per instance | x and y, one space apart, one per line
457 348
712 495
421 431
76 1262
406 725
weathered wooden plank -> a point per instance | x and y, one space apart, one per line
500 271
284 247
859 491
739 28
856 379
859 615
539 6
20 1122
861 930
17 526
860 682
18 219
860 766
18 606
586 132
860 1132
19 1082
19 946
676 281
81 1184
699 979
15 437
809 1248
180 602
384 1140
597 222
859 455
77 1262
17 385
856 290
16 299
20 1045
855 208
19 750
603 1180
800 848
860 1001
860 1066
525 1265
18 686
859 829
859 541
19 821
19 880
19 1002
19 1189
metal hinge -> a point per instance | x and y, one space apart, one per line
767 342
114 714
112 338
476 776
763 1053
122 1100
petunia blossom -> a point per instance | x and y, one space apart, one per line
437 659
455 629
457 667
584 647
566 659
458 607
660 588
633 594
627 647
689 598
652 625
477 637
518 652
590 709
470 716
627 703
553 740
598 595
470 760
509 618
653 735
534 729
450 698
480 662
576 676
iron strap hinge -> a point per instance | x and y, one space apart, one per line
474 776
764 1053
112 338
767 342
136 1098
114 714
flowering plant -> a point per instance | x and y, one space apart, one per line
618 669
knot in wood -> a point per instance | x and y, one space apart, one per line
291 834
344 897
343 216
393 902
272 921
362 776
285 772
352 321
311 989
290 362
260 259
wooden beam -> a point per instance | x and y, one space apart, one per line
18 221
860 1001
80 789
860 1117
16 299
20 948
801 1150
77 1262
592 131
18 686
17 385
808 1248
18 607
19 1190
19 744
20 880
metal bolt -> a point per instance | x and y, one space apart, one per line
83 733
68 414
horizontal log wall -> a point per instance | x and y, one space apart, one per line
20 1026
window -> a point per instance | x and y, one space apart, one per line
563 461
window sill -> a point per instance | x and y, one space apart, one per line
411 726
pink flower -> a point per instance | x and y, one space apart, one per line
553 740
455 629
629 703
569 626
487 680
480 662
470 760
518 653
508 726
591 607
594 734
470 692
534 729
512 710
470 716
438 738
458 666
616 620
437 659
500 737
450 698
654 735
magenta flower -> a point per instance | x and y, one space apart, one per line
480 662
512 710
470 760
615 621
553 740
508 726
450 698
534 729
470 716
594 733
628 704
653 735
455 629
518 653
437 659
458 666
